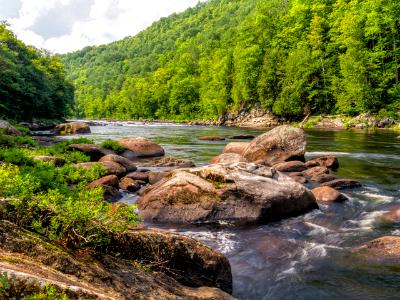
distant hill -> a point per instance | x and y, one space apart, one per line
290 57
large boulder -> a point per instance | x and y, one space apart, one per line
8 128
111 167
94 152
126 163
184 268
236 147
140 147
283 143
72 128
238 193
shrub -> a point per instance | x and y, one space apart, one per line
113 145
22 129
15 156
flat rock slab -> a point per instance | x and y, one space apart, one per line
240 193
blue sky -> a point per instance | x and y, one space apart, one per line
66 25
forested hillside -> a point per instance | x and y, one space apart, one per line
292 57
33 83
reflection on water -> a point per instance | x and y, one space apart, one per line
307 257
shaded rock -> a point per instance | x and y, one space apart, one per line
386 248
316 171
236 147
211 138
129 184
46 140
126 163
299 179
329 161
8 128
238 193
227 158
111 194
140 147
290 166
111 167
341 184
242 137
31 264
143 176
72 128
323 178
155 177
282 143
94 152
328 194
56 160
171 162
110 180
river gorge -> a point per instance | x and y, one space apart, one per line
307 257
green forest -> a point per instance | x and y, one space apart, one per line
33 83
289 57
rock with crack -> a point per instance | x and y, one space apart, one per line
240 193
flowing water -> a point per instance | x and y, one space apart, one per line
307 257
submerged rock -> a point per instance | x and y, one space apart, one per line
72 128
386 248
328 194
238 193
140 147
185 269
281 144
211 138
242 137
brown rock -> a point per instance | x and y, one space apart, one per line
212 138
236 147
112 168
94 152
329 161
328 194
126 163
392 216
110 180
290 166
171 162
227 158
58 162
140 147
155 177
282 143
381 249
316 171
72 128
129 184
323 178
299 179
341 184
8 128
238 193
143 176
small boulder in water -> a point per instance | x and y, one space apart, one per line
386 248
341 184
327 194
142 176
140 147
129 184
94 152
290 166
212 138
242 137
316 171
283 143
126 163
329 161
72 128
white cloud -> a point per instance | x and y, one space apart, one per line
66 25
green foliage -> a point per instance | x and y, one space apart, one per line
7 141
113 145
33 83
22 129
4 287
15 156
49 205
49 293
292 57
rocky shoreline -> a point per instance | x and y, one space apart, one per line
264 180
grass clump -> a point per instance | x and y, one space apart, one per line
49 293
113 145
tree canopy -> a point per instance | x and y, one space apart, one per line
33 83
290 57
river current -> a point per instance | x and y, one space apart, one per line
308 257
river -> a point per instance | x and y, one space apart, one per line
307 257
